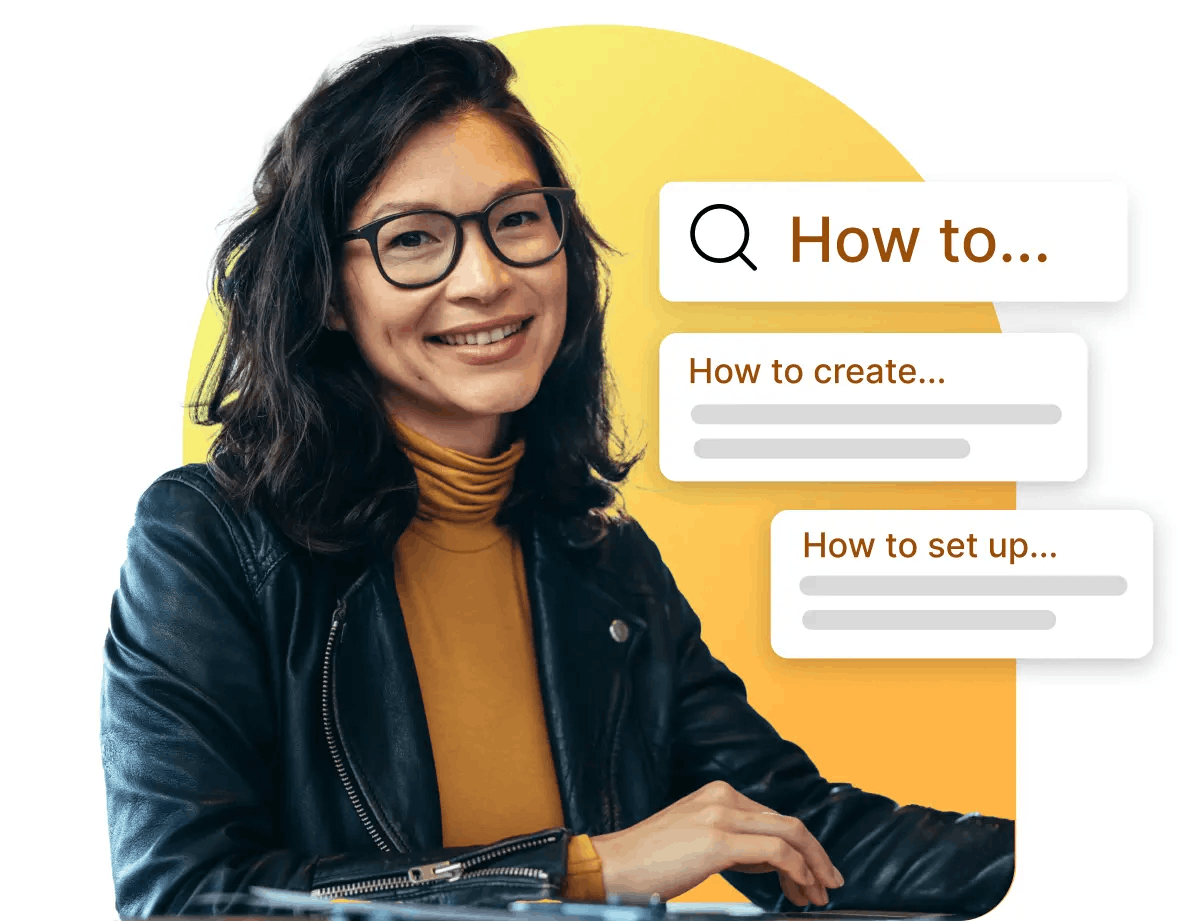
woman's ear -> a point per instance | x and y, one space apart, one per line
336 321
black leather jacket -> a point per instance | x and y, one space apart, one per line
262 724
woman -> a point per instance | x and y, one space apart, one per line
411 394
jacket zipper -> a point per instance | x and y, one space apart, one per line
446 871
331 737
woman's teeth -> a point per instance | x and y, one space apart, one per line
483 337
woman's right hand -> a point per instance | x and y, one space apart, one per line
712 830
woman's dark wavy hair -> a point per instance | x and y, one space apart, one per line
303 431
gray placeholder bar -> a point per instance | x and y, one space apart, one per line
963 585
831 448
929 620
876 414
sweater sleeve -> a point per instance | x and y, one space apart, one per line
584 872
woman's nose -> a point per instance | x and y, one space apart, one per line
479 275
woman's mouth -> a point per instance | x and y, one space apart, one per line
484 336
486 346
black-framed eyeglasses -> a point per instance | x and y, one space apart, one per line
415 249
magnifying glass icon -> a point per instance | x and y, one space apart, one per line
740 251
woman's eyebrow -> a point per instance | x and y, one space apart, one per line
398 207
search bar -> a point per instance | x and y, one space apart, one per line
893 241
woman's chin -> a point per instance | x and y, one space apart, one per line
495 408
466 412
498 398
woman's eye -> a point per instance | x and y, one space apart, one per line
410 239
519 218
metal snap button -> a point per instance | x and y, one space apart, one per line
619 630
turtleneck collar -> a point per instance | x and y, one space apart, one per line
460 494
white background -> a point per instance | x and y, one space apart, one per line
121 122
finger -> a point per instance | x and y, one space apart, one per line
790 889
793 893
756 849
798 836
788 828
795 833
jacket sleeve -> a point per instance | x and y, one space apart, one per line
189 734
895 858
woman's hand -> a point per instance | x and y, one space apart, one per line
712 830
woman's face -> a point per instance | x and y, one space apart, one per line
410 337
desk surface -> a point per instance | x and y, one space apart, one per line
303 904
765 916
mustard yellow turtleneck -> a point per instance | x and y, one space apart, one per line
461 582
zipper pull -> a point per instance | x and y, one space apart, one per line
446 871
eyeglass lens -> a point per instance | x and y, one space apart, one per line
418 248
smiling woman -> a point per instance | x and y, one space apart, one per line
391 640
476 346
386 209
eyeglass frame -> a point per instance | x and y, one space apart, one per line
370 233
